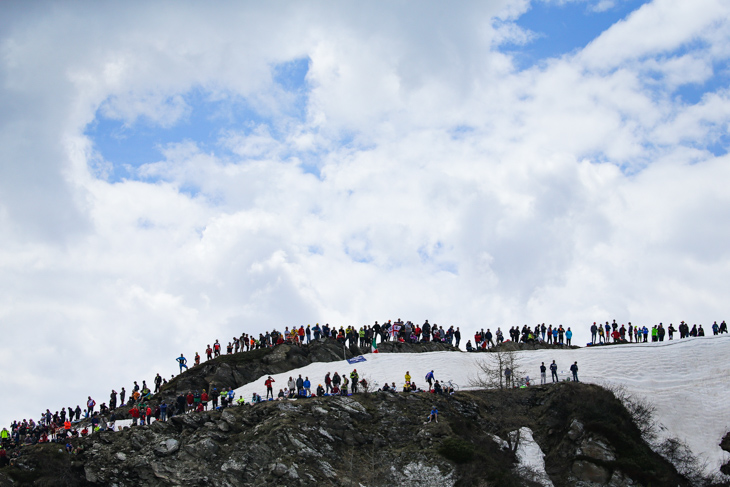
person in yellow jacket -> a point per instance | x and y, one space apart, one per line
408 377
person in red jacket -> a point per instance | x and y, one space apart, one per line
204 400
149 415
615 335
209 352
269 387
134 413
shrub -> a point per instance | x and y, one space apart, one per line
457 450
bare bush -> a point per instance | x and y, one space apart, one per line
674 450
642 411
491 370
678 453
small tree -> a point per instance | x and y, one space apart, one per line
491 370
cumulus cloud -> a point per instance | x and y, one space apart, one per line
414 172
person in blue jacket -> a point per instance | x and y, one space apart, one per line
433 416
568 336
183 362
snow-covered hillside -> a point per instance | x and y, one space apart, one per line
686 380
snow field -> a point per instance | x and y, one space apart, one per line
687 380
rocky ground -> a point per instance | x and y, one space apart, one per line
372 440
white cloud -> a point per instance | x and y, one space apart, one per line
466 192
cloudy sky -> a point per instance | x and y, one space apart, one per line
172 173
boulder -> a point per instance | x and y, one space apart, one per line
590 472
167 447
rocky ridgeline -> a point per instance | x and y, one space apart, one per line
239 369
371 440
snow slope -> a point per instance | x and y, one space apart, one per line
686 379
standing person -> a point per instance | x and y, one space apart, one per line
594 331
543 369
269 387
508 377
574 370
183 362
231 395
307 387
300 385
90 405
204 398
354 378
408 377
214 397
197 358
158 383
113 400
568 336
457 336
327 383
209 353
554 371
430 379
134 413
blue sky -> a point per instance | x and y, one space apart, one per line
208 116
564 28
558 29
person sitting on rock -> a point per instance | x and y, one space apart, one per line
437 388
433 416
320 390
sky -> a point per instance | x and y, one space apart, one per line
172 173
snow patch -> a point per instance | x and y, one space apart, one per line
530 458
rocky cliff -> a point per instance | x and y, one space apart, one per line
375 439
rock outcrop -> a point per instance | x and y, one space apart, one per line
376 439
238 369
